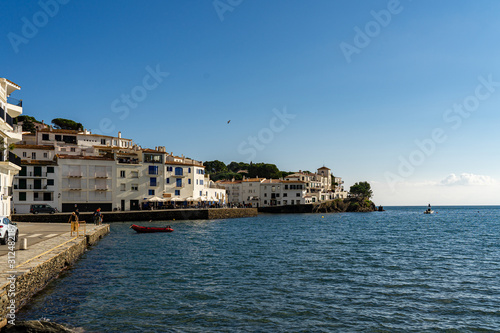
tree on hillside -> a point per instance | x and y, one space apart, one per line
61 123
213 167
361 189
237 166
263 170
28 123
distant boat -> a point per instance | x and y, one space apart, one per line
141 229
429 210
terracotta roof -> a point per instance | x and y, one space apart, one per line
38 162
44 147
293 181
183 163
12 83
324 167
147 150
64 131
228 182
271 181
253 179
78 157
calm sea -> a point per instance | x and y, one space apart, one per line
393 271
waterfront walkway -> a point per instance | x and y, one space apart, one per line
51 248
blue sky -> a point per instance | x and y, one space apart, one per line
357 86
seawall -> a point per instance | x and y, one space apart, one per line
27 272
145 215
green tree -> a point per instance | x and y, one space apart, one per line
214 167
28 123
61 123
361 189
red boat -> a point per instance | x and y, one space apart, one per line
141 229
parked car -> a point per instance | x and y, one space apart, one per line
35 209
8 229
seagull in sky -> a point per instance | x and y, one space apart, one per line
229 121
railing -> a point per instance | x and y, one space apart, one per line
101 187
128 160
101 175
13 158
75 174
16 102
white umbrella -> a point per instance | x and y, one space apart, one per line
155 199
189 199
203 199
176 199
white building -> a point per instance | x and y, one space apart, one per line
297 188
10 164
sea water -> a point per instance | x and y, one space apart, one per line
392 271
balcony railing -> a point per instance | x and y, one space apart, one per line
11 157
16 102
128 160
101 187
101 175
75 174
6 117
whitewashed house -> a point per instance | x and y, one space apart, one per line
10 164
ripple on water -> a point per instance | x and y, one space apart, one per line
382 272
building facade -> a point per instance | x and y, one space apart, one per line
10 164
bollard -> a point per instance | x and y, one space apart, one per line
24 244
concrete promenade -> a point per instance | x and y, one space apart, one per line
23 273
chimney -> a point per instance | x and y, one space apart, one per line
119 135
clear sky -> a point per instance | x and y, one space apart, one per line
403 94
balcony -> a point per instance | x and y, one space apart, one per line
127 160
6 117
75 174
101 175
101 187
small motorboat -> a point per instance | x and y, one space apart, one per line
429 210
141 229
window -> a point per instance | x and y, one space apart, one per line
169 168
151 192
23 171
152 181
45 137
178 182
297 195
73 150
50 169
134 174
285 202
153 169
24 154
122 187
201 193
189 170
58 137
286 187
45 155
177 192
168 180
265 195
37 171
122 174
114 142
103 141
22 184
201 181
22 196
265 202
189 181
178 171
134 187
50 182
285 194
33 156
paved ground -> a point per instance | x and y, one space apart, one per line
38 232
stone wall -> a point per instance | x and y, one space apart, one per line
32 276
144 215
